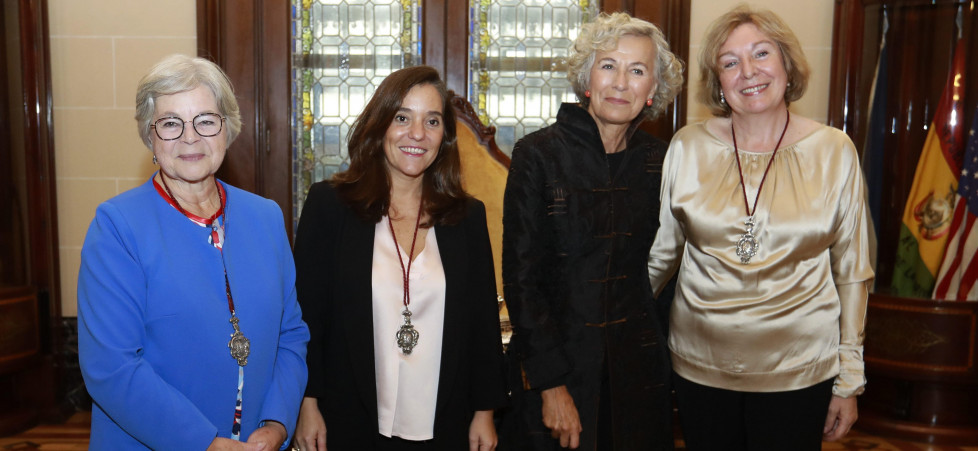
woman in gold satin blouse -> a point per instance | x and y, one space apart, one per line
763 214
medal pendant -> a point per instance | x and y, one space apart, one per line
239 345
747 245
407 336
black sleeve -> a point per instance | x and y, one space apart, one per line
529 266
486 373
313 250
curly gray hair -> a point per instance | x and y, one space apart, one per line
602 34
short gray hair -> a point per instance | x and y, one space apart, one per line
602 35
179 73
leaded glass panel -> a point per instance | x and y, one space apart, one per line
517 61
342 49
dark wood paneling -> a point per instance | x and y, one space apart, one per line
39 159
921 358
30 300
19 328
250 40
672 17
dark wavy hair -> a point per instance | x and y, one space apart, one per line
366 185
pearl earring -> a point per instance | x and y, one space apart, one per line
722 99
154 160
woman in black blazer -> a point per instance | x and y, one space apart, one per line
395 278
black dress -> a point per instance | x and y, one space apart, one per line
575 248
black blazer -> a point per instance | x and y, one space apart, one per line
333 256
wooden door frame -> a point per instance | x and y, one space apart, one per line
251 40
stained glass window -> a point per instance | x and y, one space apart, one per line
342 49
517 61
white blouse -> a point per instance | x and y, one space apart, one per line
407 385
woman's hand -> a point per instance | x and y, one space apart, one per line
223 444
560 416
310 431
482 432
270 436
842 415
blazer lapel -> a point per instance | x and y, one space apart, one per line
356 251
452 248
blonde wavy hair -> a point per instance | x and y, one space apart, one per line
601 35
795 64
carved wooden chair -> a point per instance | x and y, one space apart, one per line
484 172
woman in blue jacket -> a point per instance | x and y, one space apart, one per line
190 336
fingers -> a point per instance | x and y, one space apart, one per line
481 444
560 416
574 440
830 421
841 416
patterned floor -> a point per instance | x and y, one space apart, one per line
73 436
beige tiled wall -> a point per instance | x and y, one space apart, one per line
99 50
811 20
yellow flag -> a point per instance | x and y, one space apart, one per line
930 206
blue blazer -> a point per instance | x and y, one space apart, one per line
153 322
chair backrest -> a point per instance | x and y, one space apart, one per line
484 172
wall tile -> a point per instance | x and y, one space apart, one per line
122 18
77 200
70 261
99 143
820 60
135 56
81 72
126 184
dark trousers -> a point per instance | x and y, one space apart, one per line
715 419
399 444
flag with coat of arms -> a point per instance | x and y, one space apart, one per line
959 270
930 205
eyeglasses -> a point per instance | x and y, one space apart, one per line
206 125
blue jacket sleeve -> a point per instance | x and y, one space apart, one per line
288 382
111 288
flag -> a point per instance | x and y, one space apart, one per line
959 271
872 158
930 206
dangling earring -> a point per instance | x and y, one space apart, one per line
154 159
648 102
722 99
587 93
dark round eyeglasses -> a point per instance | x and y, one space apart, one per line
206 125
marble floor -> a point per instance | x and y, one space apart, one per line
73 436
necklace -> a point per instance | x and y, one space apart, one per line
239 345
407 335
748 244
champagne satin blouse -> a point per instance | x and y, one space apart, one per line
795 314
